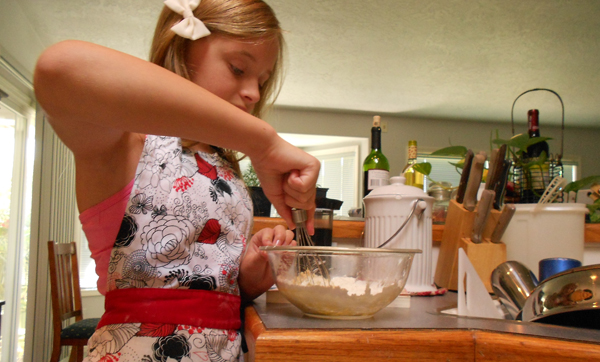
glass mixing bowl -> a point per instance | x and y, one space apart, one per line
339 283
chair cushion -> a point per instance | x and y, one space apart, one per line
80 330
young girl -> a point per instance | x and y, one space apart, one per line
162 205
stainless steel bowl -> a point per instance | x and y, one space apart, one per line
513 282
357 282
570 298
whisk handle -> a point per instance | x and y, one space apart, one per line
299 216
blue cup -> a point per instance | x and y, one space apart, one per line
552 266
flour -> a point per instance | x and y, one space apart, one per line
340 296
351 285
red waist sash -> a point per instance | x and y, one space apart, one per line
199 308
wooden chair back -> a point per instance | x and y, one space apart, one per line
66 297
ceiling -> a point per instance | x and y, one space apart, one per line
440 59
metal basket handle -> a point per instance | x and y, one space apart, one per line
562 129
412 212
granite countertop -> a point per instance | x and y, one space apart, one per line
423 313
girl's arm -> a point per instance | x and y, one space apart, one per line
255 273
102 102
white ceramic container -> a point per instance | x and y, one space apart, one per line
386 209
541 231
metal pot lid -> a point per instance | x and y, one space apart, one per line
563 297
397 188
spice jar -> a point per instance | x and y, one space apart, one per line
440 192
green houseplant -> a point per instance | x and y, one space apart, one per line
260 202
584 183
517 149
250 177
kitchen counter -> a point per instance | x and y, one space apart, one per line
352 229
280 332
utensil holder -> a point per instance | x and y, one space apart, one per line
485 256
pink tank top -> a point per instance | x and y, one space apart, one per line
101 225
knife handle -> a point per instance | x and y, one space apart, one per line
500 185
489 180
474 181
483 212
464 178
507 213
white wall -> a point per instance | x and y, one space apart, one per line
93 303
19 42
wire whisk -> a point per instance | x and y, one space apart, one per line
310 264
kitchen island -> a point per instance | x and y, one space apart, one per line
280 332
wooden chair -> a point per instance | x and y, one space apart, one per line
66 302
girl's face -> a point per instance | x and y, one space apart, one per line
232 69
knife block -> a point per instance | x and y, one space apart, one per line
485 256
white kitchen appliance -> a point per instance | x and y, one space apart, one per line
387 208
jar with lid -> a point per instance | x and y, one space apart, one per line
440 192
387 208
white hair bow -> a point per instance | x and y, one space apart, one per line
190 27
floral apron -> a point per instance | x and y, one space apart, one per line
172 277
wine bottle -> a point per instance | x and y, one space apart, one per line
539 174
375 167
413 178
533 122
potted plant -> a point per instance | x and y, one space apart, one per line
260 202
591 182
524 168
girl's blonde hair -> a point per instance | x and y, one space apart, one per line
246 20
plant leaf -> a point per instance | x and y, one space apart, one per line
533 141
500 141
423 167
456 151
537 162
594 215
520 141
581 184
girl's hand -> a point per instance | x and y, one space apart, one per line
288 177
255 273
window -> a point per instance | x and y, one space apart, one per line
17 147
339 173
441 169
341 159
